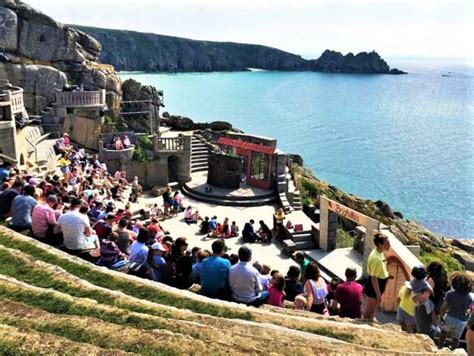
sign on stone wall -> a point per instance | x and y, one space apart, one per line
347 213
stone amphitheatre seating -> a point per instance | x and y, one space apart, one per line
74 306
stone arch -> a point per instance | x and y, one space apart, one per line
173 168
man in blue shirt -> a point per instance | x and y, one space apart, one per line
215 273
22 207
5 171
212 227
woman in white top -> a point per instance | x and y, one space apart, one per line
315 290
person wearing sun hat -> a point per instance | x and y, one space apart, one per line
156 261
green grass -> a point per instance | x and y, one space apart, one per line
20 269
449 263
128 287
326 332
53 303
13 348
344 239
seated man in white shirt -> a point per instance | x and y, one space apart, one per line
244 281
78 236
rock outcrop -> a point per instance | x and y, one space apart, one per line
136 51
336 62
143 102
42 55
184 123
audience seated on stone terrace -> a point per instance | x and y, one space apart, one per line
77 212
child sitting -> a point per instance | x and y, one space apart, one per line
156 261
277 291
234 229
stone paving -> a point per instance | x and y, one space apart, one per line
265 253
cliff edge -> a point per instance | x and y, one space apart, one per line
148 52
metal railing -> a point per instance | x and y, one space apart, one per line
80 98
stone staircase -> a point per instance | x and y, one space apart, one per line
301 240
50 122
199 154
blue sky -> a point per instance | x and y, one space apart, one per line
418 28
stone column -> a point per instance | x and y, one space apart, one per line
332 231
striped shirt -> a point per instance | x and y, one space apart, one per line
73 225
41 217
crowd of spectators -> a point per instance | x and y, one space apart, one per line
77 212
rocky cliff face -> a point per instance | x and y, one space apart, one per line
128 50
136 51
41 55
336 62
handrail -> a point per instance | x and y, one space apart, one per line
8 158
35 149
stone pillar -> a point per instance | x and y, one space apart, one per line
332 231
327 228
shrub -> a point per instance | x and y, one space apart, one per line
449 263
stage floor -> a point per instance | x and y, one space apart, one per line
199 183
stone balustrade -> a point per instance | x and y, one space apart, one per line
80 99
12 96
165 144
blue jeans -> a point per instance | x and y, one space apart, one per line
262 299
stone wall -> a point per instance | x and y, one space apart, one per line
7 139
84 131
224 170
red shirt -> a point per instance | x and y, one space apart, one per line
349 297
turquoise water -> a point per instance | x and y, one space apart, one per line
407 140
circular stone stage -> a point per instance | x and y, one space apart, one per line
246 195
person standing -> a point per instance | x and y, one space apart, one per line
453 312
406 309
378 275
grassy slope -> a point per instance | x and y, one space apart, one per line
80 298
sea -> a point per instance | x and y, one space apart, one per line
405 139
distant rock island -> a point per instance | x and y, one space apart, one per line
137 51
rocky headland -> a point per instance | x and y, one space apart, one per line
148 52
42 56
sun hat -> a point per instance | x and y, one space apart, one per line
33 181
158 246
